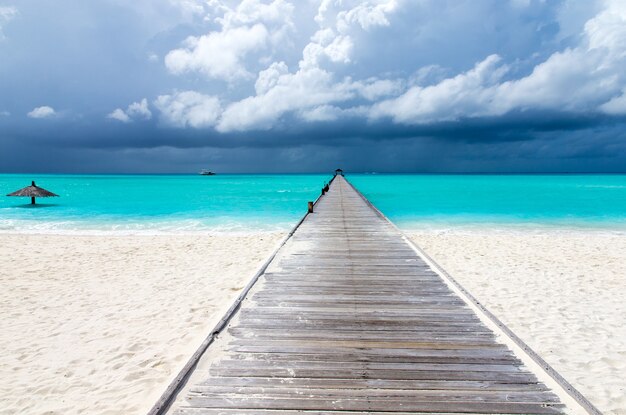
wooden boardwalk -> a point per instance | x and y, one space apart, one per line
348 319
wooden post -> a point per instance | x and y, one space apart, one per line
310 207
32 200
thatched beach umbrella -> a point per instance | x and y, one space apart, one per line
32 191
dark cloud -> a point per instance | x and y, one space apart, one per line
523 144
515 126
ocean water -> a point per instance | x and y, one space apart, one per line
242 203
499 201
158 203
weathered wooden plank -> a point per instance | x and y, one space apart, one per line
407 355
373 405
367 373
336 365
388 395
315 333
432 298
371 384
424 327
366 344
403 315
226 411
362 319
432 304
335 288
347 357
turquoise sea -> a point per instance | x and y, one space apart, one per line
227 203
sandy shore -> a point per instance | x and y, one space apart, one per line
563 293
100 324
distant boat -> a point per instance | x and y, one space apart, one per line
205 172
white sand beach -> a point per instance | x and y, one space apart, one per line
100 324
563 293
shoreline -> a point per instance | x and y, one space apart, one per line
131 233
514 230
521 228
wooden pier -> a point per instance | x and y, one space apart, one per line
349 319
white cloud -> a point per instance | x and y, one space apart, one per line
269 77
42 112
326 44
7 13
311 90
340 49
585 78
139 110
568 80
219 54
5 114
572 15
189 109
120 115
607 30
373 89
338 23
464 95
251 27
588 76
136 110
299 91
321 113
190 7
254 27
367 15
275 12
616 106
309 93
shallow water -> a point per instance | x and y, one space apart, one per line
243 203
176 203
501 201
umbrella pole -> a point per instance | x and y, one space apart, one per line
32 200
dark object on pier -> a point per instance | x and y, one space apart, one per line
310 205
33 191
325 188
338 172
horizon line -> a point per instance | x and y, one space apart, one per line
491 173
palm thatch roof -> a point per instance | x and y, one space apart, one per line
33 191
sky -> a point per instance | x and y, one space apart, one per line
433 86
